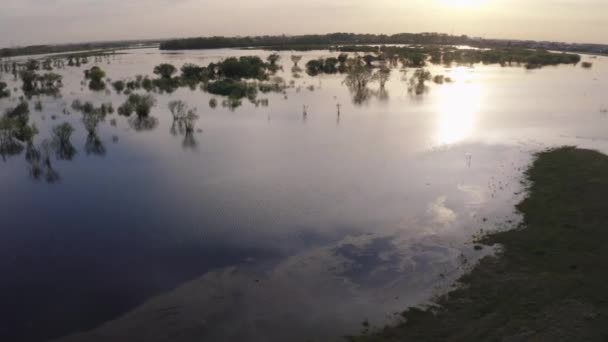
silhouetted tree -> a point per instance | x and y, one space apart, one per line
382 75
96 75
119 86
273 58
165 70
296 59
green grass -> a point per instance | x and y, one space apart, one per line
550 283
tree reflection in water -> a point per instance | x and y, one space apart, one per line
39 161
143 123
94 145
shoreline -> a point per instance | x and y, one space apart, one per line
547 282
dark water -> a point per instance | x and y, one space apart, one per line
271 225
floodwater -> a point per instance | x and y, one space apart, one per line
270 225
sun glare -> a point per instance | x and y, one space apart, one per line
458 108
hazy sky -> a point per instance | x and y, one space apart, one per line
25 22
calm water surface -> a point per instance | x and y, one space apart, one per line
272 226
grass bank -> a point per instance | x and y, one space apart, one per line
550 283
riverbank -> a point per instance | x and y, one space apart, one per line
549 282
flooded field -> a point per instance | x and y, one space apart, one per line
296 216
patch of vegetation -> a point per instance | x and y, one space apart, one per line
192 73
548 283
165 70
246 67
35 84
15 130
140 104
4 91
587 65
119 86
417 83
318 66
95 75
232 88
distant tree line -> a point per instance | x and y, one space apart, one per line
308 40
45 49
323 41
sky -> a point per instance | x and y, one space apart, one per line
26 22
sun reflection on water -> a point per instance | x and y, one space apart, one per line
458 106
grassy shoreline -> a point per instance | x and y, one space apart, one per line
549 282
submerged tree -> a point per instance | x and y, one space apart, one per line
15 130
119 86
61 141
417 82
342 58
273 58
192 73
140 104
96 75
32 65
178 109
94 145
143 123
4 91
165 70
39 161
296 59
91 120
358 76
184 118
357 80
382 75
